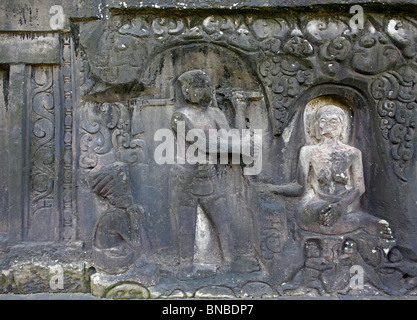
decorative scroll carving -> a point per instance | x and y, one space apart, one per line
273 237
333 39
287 78
127 290
404 35
396 94
108 147
374 54
42 175
107 129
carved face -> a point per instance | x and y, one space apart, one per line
312 249
330 122
197 94
196 87
349 247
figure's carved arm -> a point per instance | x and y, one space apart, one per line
219 118
233 145
295 188
202 142
357 180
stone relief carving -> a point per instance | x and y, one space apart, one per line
395 92
332 177
334 233
109 146
42 151
186 229
192 185
69 218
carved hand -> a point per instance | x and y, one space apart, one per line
330 213
112 183
238 99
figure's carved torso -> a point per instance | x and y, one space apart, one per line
330 169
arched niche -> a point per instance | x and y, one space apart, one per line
384 196
363 135
228 73
355 104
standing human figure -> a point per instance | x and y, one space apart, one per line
193 184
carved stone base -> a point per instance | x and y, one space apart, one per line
44 267
348 264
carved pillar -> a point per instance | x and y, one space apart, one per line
33 116
4 146
42 216
17 150
68 221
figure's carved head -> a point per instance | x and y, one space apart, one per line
349 246
394 255
331 122
312 248
196 87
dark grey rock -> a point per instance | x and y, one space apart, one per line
105 112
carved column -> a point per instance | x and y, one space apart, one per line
17 150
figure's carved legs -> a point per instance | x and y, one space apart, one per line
309 220
183 205
186 221
218 214
114 250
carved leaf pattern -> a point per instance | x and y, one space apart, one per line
284 51
396 93
106 128
42 139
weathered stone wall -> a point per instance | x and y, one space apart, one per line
93 91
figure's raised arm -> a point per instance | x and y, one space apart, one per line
185 130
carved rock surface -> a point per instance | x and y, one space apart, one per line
207 149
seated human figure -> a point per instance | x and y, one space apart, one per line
331 182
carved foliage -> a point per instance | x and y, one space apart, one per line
287 78
374 53
396 94
109 146
404 35
42 149
106 128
